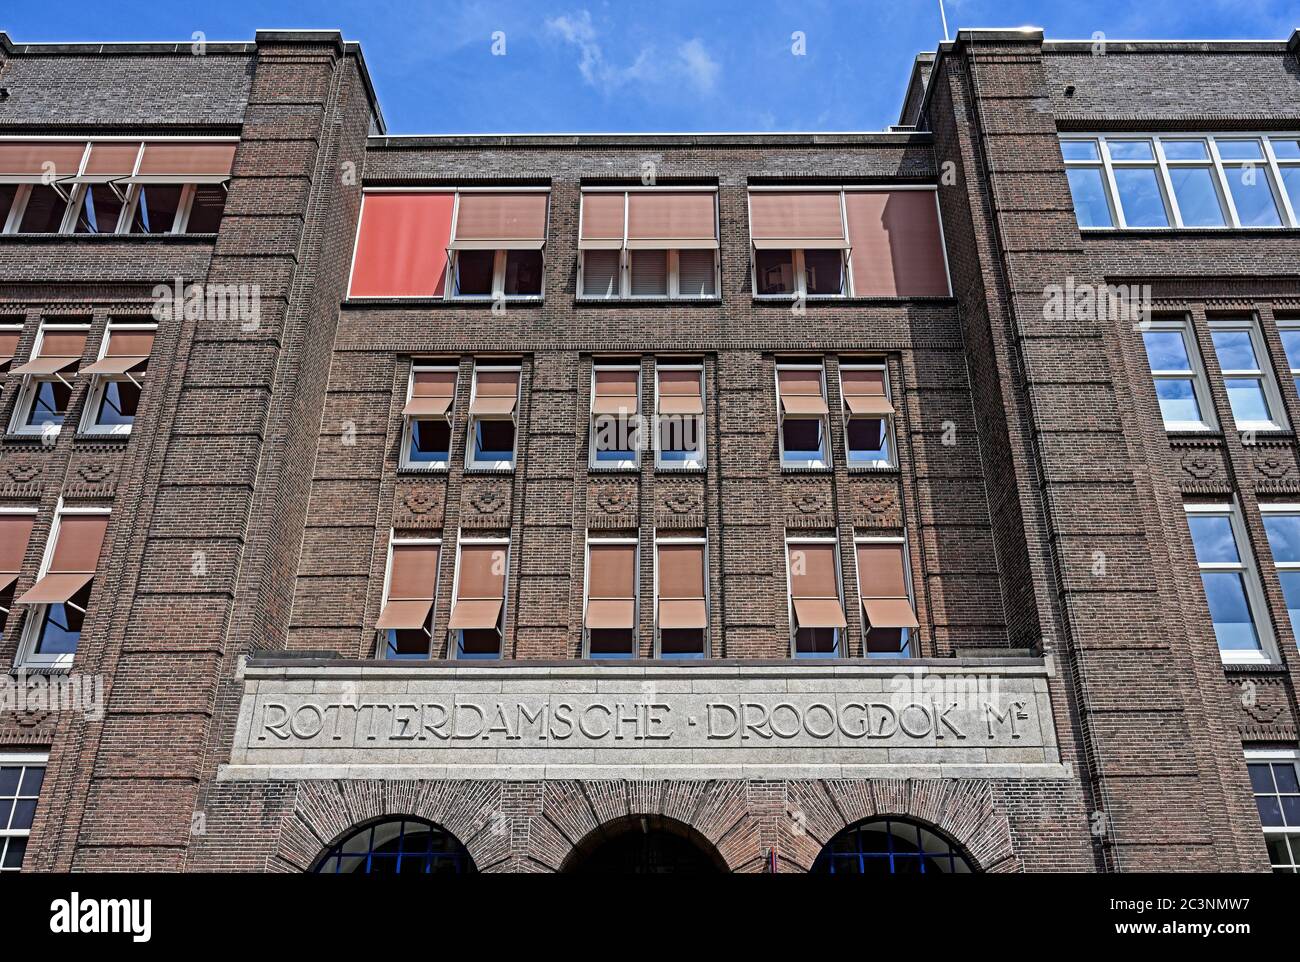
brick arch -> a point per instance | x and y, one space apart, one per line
716 813
613 830
326 810
963 811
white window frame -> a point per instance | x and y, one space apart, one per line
914 634
890 439
27 392
671 539
799 268
1264 373
1283 510
700 460
99 384
825 460
598 539
623 464
27 655
624 292
1200 380
1274 756
1248 566
405 463
498 293
1270 166
453 634
472 463
27 760
1293 367
840 633
381 641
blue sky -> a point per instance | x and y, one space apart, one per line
667 65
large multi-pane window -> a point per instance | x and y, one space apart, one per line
398 846
1289 330
1282 524
1184 181
890 846
1243 360
1275 779
1231 582
20 789
1179 378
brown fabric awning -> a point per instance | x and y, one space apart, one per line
680 393
28 158
611 585
796 219
177 159
109 159
471 613
58 350
672 220
490 220
126 350
889 613
882 584
76 554
8 346
801 391
614 392
602 220
897 243
495 392
864 392
813 570
819 613
15 532
412 581
681 585
431 393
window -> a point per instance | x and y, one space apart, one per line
20 789
679 426
1282 524
890 846
649 243
494 401
1232 589
868 415
615 416
496 243
400 846
410 586
118 376
15 533
884 585
1183 180
851 240
1252 392
611 598
113 186
681 593
478 611
61 596
1179 379
801 399
426 431
47 379
816 610
1275 780
1289 330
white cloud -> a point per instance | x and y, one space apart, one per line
689 62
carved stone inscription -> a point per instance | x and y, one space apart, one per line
480 722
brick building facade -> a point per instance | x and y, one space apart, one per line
334 530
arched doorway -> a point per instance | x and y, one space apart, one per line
400 845
644 845
891 846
